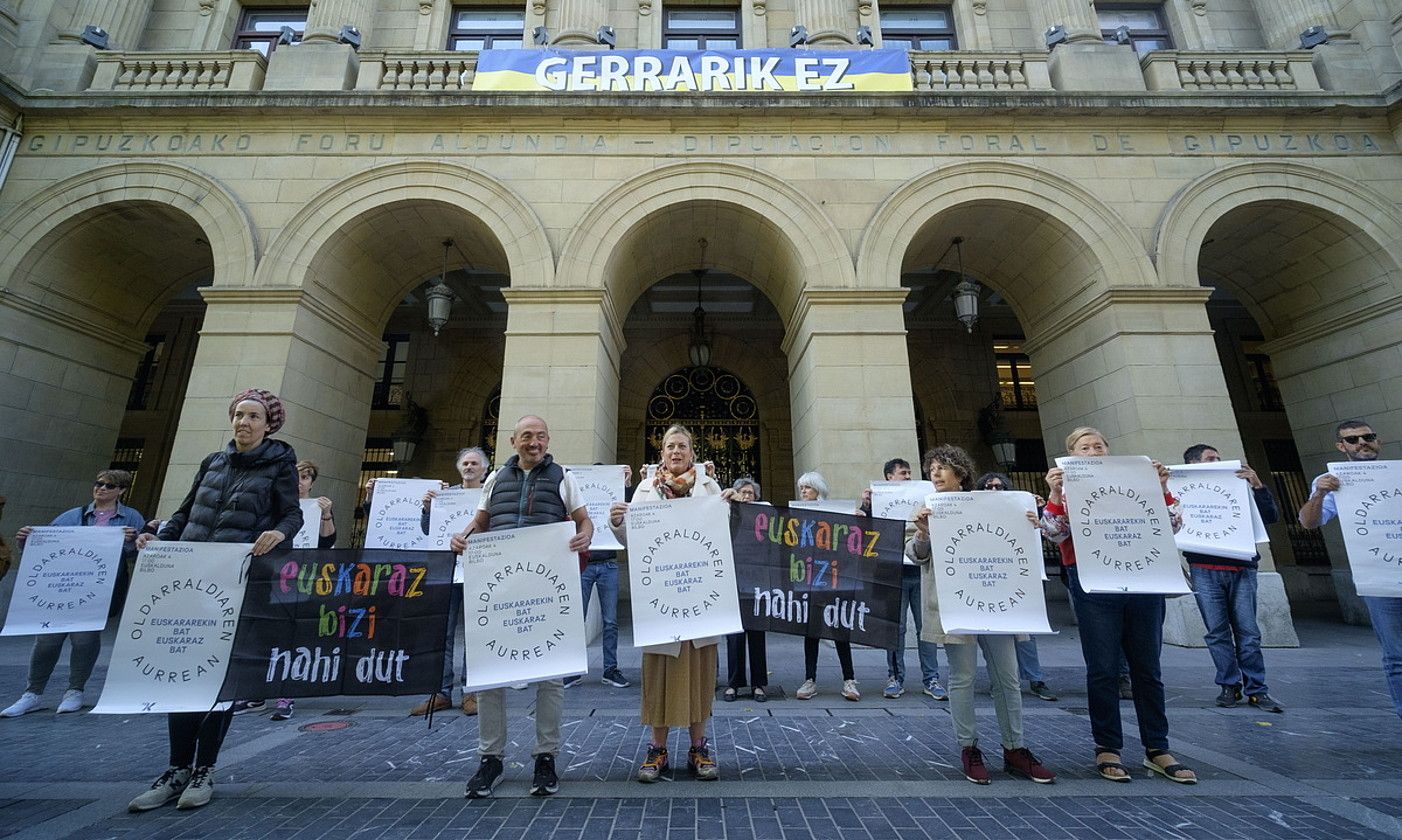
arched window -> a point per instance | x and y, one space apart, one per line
719 410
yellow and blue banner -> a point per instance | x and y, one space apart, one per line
699 71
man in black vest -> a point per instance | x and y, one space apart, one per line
529 489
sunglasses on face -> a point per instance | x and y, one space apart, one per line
1353 440
106 485
993 485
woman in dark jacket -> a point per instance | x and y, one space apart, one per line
244 493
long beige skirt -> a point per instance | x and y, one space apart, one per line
678 690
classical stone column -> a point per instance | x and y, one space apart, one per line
562 363
319 362
321 62
849 385
1078 16
577 22
830 23
68 64
123 20
326 17
1141 365
1282 21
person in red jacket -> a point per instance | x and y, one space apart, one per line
1111 623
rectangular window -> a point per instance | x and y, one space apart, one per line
389 389
1145 22
1258 367
377 462
918 28
701 28
260 28
1016 385
144 383
487 28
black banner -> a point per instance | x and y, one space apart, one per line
326 622
813 573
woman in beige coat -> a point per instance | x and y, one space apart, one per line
679 679
952 470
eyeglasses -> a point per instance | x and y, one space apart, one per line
106 485
1353 440
993 485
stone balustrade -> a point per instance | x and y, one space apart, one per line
965 70
240 70
444 70
1230 71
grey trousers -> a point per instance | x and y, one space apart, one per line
1000 654
491 718
82 656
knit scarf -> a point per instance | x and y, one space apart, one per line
675 486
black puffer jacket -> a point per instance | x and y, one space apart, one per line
239 495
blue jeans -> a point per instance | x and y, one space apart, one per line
1114 625
450 642
1387 624
1029 666
911 605
1227 601
603 574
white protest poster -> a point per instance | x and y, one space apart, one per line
522 608
311 524
1369 504
847 506
600 487
65 580
987 561
177 630
396 513
450 513
1216 508
1119 520
898 499
682 570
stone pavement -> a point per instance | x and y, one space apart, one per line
876 769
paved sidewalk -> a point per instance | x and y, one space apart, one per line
790 770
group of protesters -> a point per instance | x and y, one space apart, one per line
250 492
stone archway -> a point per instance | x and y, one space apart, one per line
1314 258
88 264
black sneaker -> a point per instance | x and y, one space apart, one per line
615 678
488 776
1229 696
245 706
571 682
1267 702
1041 692
544 782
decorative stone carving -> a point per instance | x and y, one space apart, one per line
206 7
759 7
1200 7
980 7
644 7
425 7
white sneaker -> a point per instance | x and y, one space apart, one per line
807 691
27 702
199 791
169 786
849 690
72 701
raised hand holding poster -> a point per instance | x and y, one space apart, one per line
311 524
396 514
450 513
811 572
600 487
177 631
521 602
1217 509
65 578
898 499
1120 522
682 570
987 560
1369 504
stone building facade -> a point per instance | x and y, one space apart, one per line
1193 235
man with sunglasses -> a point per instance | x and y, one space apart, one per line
107 509
1358 442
